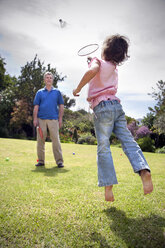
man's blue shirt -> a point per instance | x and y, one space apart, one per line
48 102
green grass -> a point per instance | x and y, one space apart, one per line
51 207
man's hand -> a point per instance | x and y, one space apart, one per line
61 112
75 92
35 113
35 122
60 123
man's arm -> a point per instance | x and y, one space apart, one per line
35 113
61 112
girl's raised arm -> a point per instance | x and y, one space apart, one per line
91 73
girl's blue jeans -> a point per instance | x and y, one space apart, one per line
109 117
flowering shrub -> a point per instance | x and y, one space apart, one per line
132 128
142 132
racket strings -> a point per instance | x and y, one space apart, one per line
86 50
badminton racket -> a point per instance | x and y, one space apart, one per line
88 49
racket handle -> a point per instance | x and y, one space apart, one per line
40 131
89 59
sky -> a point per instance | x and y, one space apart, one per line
30 27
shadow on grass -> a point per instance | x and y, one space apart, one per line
50 172
137 232
99 239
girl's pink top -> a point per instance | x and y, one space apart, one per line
104 85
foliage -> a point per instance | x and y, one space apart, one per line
159 139
159 123
146 144
114 140
155 120
148 121
142 132
75 135
65 138
161 150
87 139
20 115
68 103
2 74
7 97
79 122
132 128
82 111
159 109
159 96
129 120
3 132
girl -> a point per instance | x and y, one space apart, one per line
109 116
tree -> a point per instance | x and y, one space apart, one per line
68 103
7 96
5 79
129 119
82 111
159 109
159 96
2 74
20 115
149 120
160 123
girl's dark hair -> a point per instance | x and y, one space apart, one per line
115 49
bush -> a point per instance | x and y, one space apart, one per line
143 131
64 138
132 127
114 140
21 135
4 132
161 150
146 144
75 136
87 139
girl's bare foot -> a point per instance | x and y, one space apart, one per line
147 181
109 194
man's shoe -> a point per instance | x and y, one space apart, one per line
40 164
60 165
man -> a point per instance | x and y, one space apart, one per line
48 113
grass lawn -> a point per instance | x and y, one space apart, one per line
51 207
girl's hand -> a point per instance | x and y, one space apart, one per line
89 60
75 92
